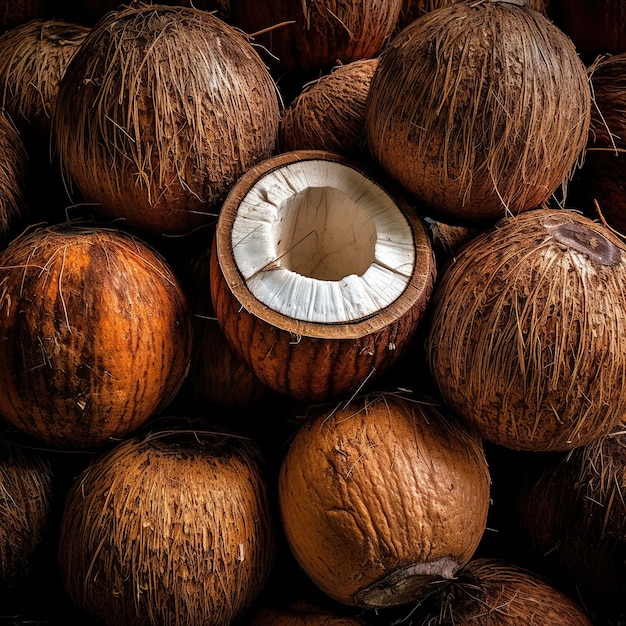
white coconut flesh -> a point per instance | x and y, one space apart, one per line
319 241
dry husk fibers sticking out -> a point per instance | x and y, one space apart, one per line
527 339
479 110
168 528
381 496
33 58
159 112
329 113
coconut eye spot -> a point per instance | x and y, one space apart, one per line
319 241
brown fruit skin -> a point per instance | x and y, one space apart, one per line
526 337
381 496
170 528
95 335
317 34
26 497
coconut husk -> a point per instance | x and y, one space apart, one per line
479 110
158 114
329 113
33 58
13 173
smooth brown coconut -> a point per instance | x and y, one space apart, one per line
96 334
381 496
572 515
492 592
329 112
320 274
479 110
170 528
315 35
26 499
160 111
527 337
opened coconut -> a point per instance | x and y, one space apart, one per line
96 334
329 112
527 338
160 111
172 527
319 274
479 110
315 35
381 496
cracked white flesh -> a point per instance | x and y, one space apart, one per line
318 241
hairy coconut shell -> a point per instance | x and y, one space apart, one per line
493 592
26 495
160 111
33 58
315 35
381 496
96 334
168 528
479 110
573 515
329 113
527 337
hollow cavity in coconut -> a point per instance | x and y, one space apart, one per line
319 275
33 58
160 111
26 495
382 496
170 527
315 35
572 515
329 113
527 338
96 334
479 110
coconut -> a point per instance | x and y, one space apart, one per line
329 113
26 495
171 527
572 514
159 112
33 58
527 338
96 334
494 592
479 110
315 35
381 496
319 274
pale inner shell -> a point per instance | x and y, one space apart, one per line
318 241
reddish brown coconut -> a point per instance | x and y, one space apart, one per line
173 527
315 35
527 337
319 275
479 110
96 334
160 111
380 497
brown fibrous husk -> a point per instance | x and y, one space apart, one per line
33 58
329 113
158 114
168 528
479 110
527 339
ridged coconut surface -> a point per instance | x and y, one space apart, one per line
160 111
382 496
527 339
171 528
95 334
479 110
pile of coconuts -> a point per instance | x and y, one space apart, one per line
312 313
